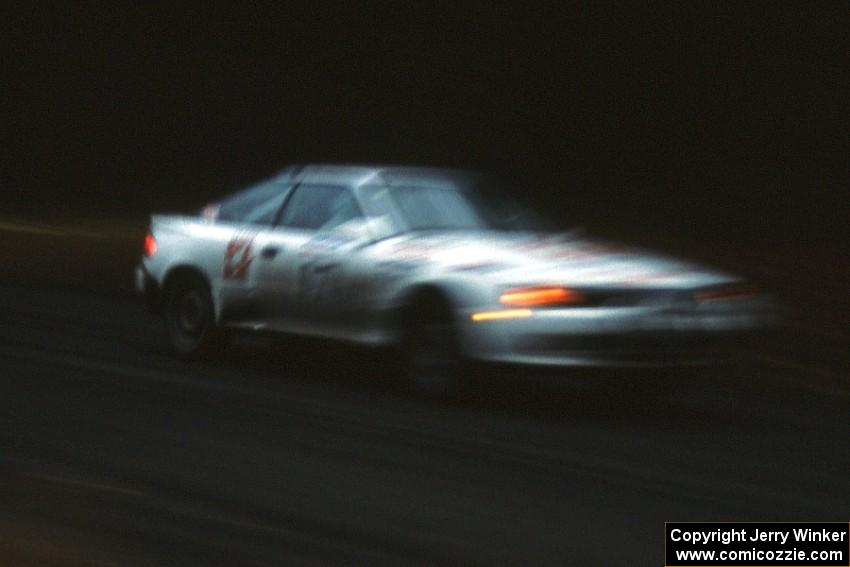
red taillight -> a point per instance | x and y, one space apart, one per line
150 245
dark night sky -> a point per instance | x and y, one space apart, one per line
715 114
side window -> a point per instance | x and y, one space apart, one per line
257 205
265 212
320 207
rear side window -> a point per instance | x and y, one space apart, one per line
257 205
320 207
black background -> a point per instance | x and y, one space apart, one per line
714 130
694 119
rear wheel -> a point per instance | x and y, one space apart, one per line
190 318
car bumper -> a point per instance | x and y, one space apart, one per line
621 337
148 288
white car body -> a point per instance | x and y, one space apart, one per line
352 281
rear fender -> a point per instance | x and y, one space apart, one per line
186 270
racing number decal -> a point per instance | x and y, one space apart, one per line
238 257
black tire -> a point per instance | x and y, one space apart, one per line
189 317
431 360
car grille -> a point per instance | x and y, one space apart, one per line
632 297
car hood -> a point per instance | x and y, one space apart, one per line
529 259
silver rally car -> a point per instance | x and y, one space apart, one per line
437 264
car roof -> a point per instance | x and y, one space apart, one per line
352 175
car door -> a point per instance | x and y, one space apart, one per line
300 259
249 216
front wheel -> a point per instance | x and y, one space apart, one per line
432 363
190 318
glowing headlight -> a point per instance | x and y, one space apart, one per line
500 314
540 296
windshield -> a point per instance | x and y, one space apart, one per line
450 207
